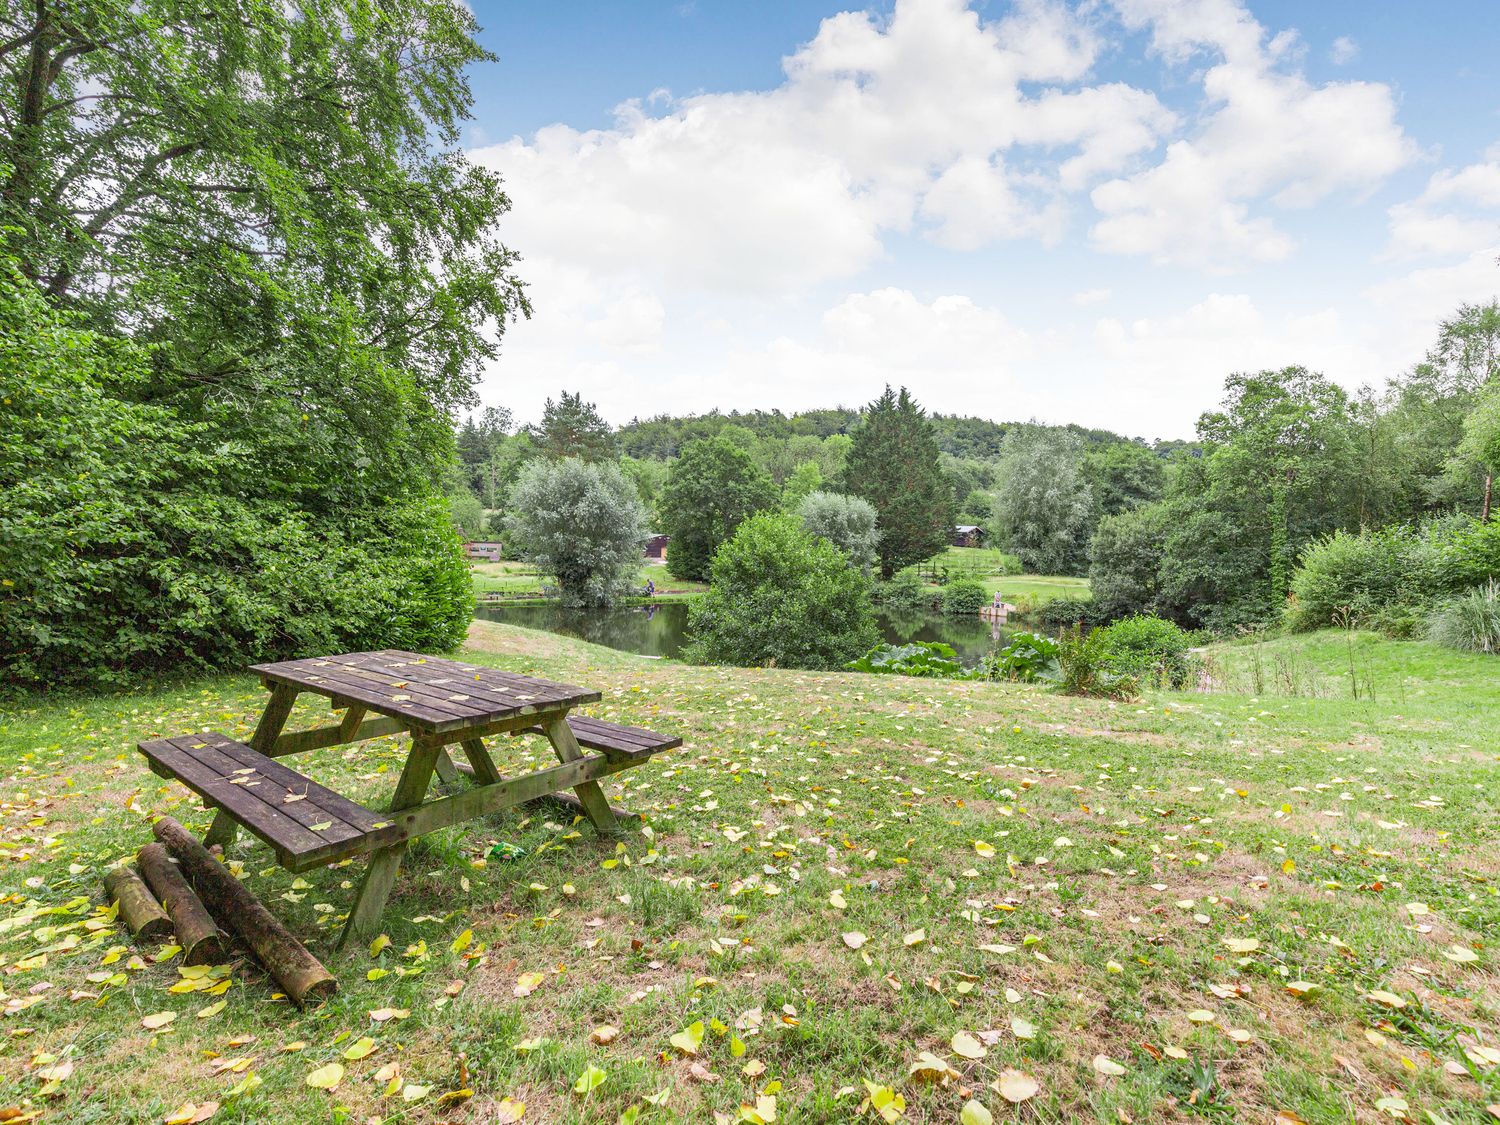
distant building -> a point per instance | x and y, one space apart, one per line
968 535
483 552
656 546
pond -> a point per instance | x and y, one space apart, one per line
661 629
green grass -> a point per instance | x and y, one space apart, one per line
1025 591
1129 841
511 579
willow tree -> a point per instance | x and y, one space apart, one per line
268 201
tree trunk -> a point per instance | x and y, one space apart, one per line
197 933
138 906
1489 482
299 973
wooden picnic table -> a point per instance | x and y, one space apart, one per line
441 703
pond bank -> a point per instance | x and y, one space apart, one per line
659 627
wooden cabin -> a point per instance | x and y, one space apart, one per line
968 535
483 552
656 546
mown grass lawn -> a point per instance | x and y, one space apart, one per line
510 578
1180 909
989 566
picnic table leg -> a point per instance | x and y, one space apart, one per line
447 772
380 872
595 806
278 709
478 754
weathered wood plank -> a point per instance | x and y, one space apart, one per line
230 760
299 742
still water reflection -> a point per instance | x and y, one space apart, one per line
661 630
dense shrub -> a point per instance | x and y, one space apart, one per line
964 596
781 596
935 660
1086 668
1028 657
1063 612
132 542
1147 648
1361 575
1392 578
581 522
904 592
1467 554
1470 622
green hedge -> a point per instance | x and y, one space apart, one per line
134 543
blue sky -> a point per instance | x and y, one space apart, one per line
1082 212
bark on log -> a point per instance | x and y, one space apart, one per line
301 975
197 932
138 906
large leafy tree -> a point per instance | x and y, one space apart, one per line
581 522
711 489
848 522
893 463
269 201
1043 504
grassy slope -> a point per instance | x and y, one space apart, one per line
1129 842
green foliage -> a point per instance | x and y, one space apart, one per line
905 592
1389 578
482 465
710 490
1086 668
1043 506
571 427
131 544
1148 649
781 596
581 522
964 596
805 479
848 522
1063 612
1027 658
1126 560
271 207
649 478
466 512
1469 622
1361 575
894 465
920 658
1123 475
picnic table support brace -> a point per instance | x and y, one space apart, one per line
380 873
595 805
278 709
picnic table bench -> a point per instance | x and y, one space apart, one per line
441 703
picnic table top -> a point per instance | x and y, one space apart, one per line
430 692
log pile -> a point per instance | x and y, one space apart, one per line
177 884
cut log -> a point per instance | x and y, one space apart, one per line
301 975
138 906
197 932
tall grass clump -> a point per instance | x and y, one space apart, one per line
1469 622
